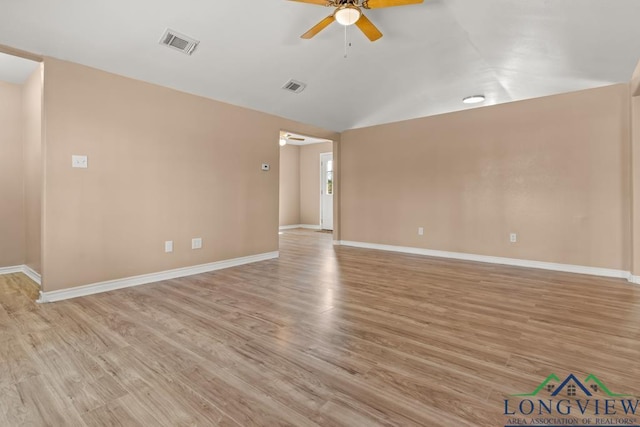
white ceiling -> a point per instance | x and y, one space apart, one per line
15 70
431 56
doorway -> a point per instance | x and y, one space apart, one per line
21 171
326 191
301 176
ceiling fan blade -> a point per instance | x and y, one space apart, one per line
319 27
368 28
318 2
375 4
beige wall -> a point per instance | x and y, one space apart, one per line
310 181
635 159
163 165
12 240
289 185
554 170
32 152
635 144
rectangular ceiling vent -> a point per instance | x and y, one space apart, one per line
294 86
177 41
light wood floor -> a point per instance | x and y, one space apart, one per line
322 336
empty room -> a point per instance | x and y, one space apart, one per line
320 213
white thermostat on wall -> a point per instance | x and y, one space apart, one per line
265 166
79 162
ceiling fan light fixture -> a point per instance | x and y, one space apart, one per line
473 99
348 15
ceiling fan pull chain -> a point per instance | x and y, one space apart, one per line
345 41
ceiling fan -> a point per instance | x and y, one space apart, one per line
349 12
286 137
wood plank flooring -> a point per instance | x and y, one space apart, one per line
322 336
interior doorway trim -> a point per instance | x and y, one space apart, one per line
322 190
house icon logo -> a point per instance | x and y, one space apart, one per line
572 386
565 401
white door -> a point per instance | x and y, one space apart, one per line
326 191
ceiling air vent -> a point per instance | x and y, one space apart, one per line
178 41
294 86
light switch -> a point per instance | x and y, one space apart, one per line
79 162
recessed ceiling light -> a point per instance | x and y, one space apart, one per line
474 99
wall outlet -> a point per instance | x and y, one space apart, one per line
420 231
79 161
168 246
196 243
513 237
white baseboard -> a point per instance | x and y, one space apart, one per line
11 270
128 282
289 227
568 268
307 226
28 271
634 279
32 274
311 226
